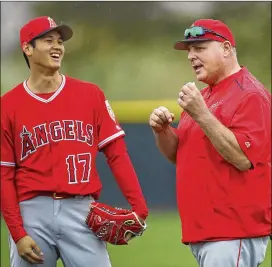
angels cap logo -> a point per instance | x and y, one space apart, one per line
110 111
52 23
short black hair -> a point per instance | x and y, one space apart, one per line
33 43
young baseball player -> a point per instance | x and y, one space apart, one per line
52 127
222 152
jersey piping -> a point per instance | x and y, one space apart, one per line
110 138
8 164
50 98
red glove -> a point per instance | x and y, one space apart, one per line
114 225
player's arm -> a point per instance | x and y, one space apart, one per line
111 142
125 175
165 136
9 202
243 142
10 208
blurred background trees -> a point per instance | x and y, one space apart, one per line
127 47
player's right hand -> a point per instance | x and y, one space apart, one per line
160 119
29 250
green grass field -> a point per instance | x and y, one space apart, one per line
160 246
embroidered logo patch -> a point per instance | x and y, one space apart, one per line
110 111
247 144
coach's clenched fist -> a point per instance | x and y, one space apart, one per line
191 100
160 118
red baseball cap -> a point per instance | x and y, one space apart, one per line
213 30
37 27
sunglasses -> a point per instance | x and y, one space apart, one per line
200 31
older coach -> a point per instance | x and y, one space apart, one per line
222 152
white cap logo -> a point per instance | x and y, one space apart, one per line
52 23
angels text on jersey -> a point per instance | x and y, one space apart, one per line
55 131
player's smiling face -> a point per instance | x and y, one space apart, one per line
207 60
49 51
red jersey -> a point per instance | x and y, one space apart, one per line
53 142
216 201
50 145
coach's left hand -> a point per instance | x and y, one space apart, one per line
191 100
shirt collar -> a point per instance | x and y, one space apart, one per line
224 83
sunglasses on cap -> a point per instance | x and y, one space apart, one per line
198 31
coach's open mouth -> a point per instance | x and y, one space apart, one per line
197 68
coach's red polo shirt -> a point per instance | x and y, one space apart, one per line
216 201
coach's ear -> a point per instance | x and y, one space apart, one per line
27 49
227 48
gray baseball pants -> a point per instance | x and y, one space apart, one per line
234 253
58 227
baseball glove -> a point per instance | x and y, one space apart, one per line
114 225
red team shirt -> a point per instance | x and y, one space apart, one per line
52 143
217 201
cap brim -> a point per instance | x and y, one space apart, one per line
65 31
183 45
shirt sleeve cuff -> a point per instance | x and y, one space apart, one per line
247 146
18 233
